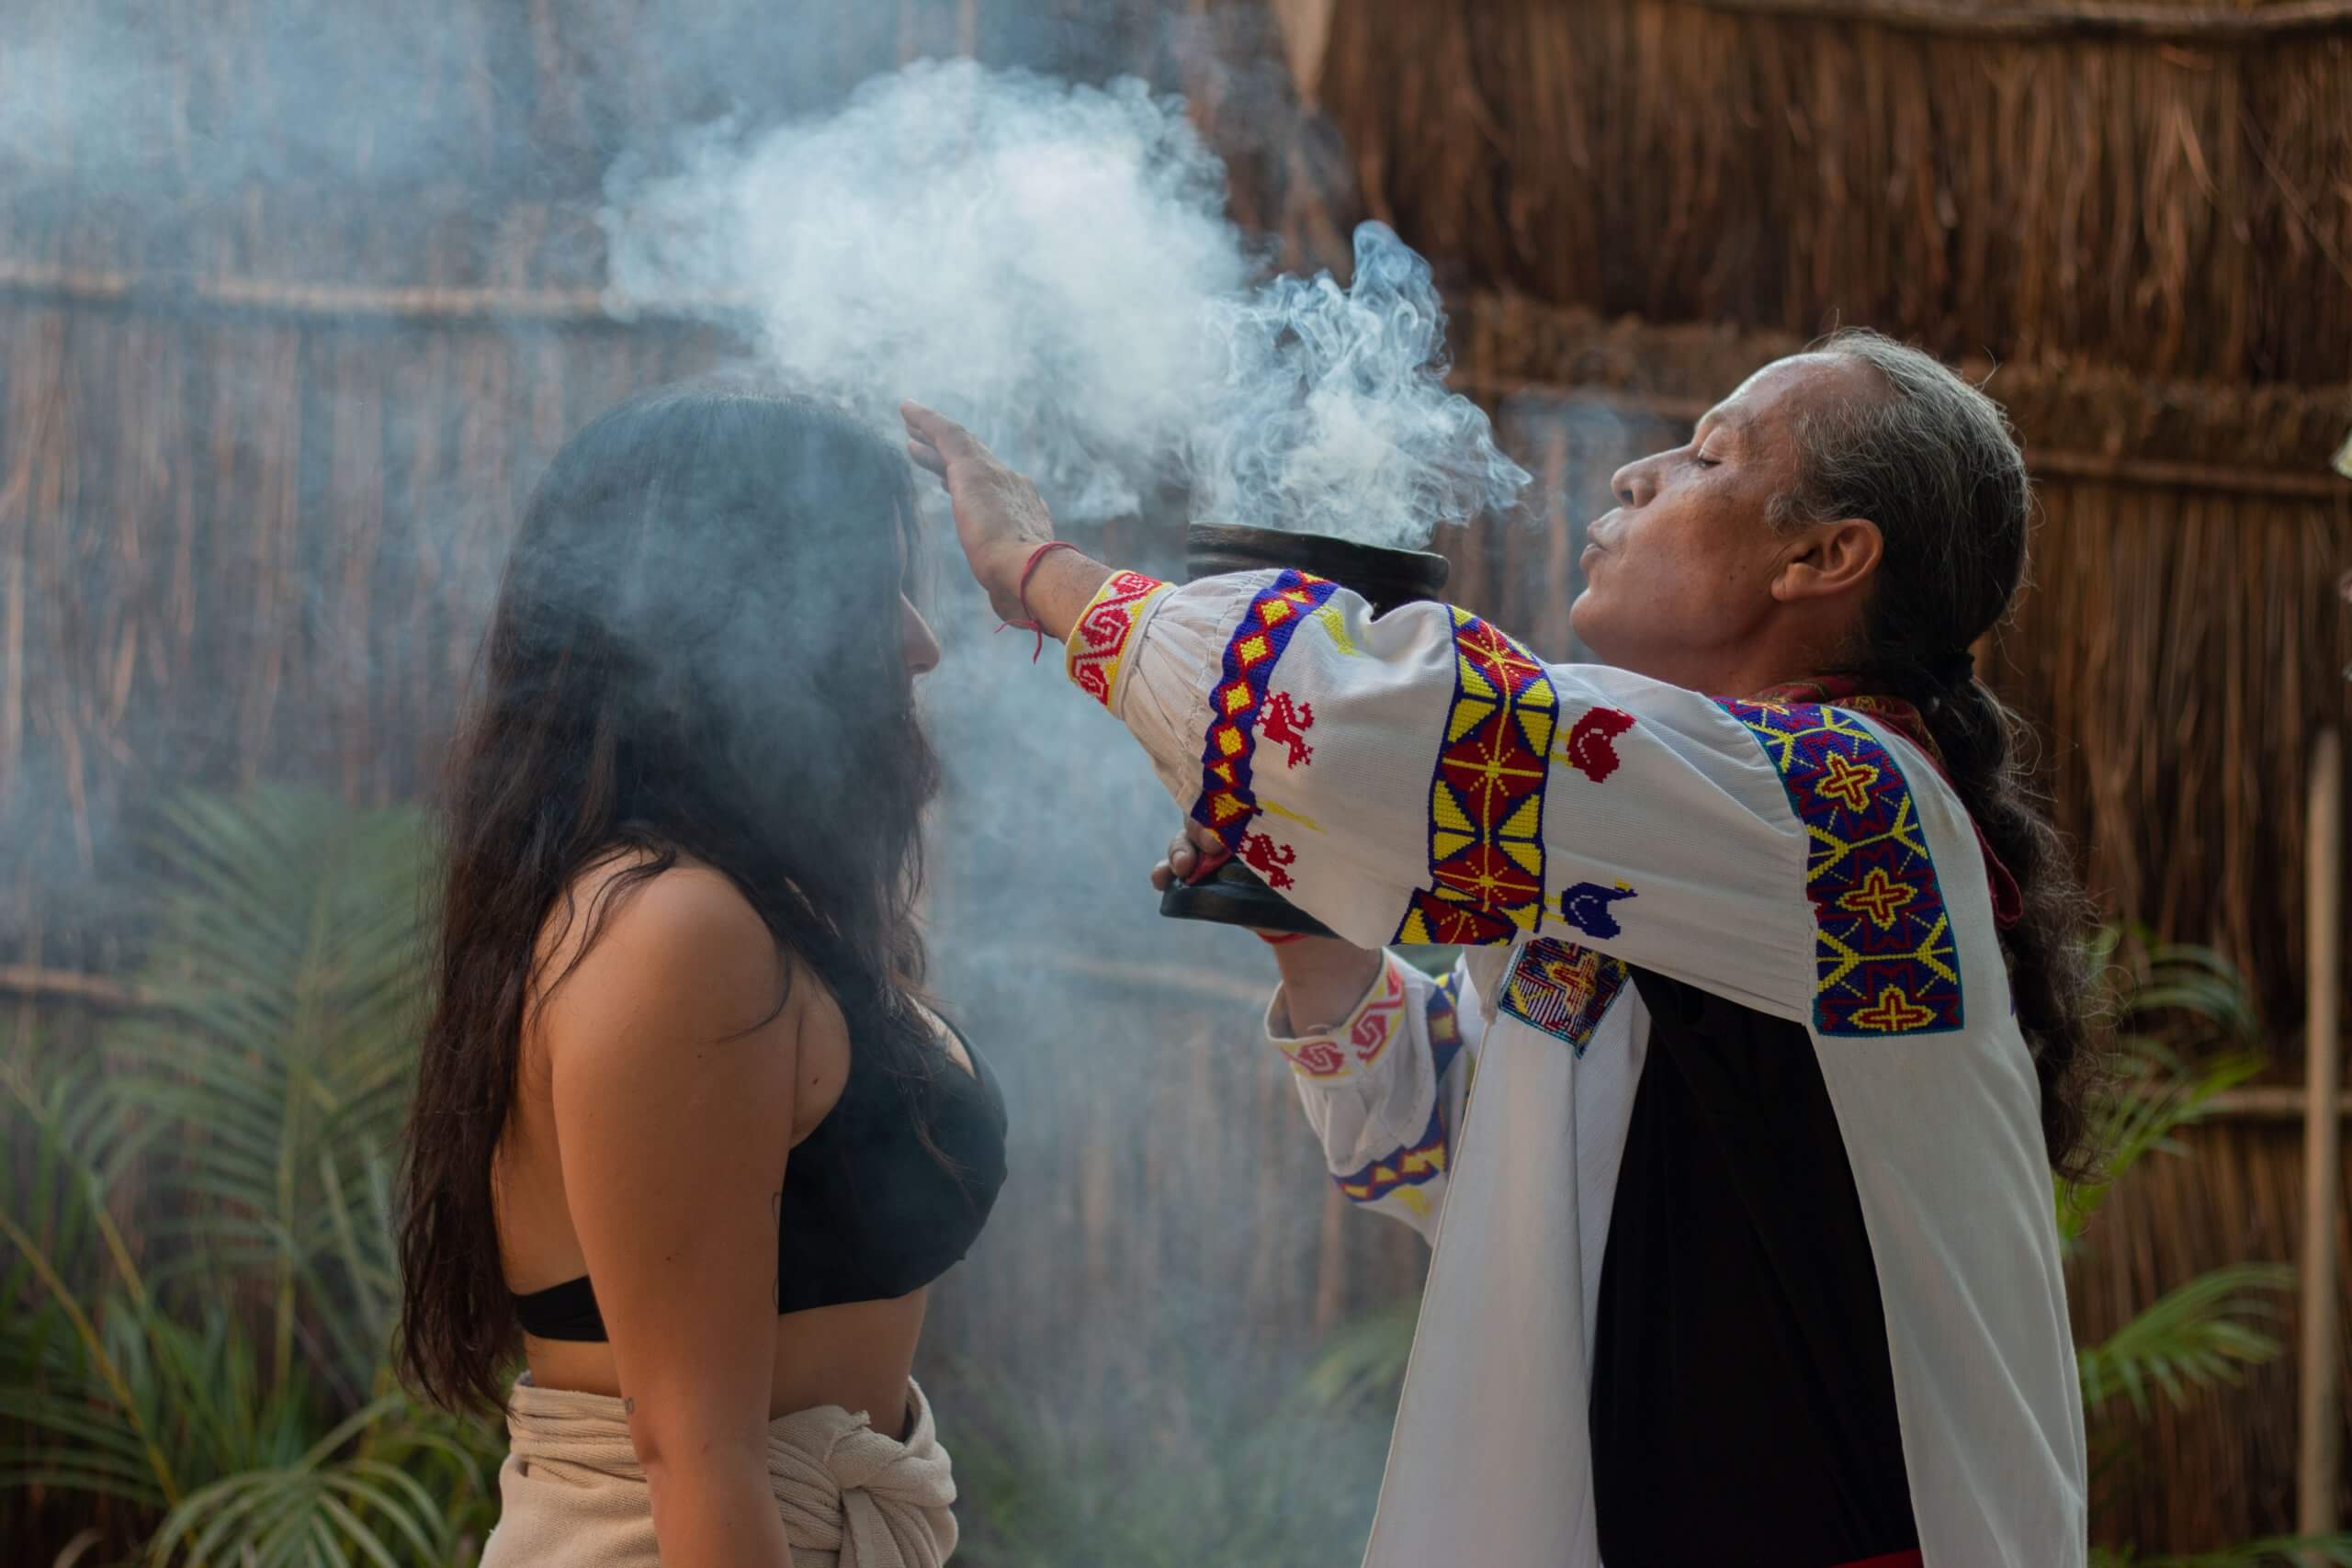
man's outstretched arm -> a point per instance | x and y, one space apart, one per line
1419 777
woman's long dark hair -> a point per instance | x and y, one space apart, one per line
1933 462
695 651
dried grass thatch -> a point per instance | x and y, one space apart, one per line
1993 179
2223 1470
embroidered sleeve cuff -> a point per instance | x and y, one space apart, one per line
1355 1043
1150 652
1108 631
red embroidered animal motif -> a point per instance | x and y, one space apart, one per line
1285 725
1265 857
1588 749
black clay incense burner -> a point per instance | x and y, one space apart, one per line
1232 894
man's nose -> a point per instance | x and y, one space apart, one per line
1632 484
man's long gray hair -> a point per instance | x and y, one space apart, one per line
1934 463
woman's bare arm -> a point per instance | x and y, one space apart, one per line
673 1092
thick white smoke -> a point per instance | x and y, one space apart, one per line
1053 264
1033 256
1332 416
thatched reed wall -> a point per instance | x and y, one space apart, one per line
2224 1470
2165 197
246 548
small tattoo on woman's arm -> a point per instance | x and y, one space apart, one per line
628 1406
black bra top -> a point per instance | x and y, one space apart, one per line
868 1213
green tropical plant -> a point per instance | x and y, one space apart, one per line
199 1283
2185 1032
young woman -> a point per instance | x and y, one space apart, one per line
1741 1112
684 1134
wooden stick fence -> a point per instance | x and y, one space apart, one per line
2319 1473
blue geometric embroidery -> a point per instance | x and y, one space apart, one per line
1445 1024
1227 802
1563 990
1885 961
1424 1160
1401 1170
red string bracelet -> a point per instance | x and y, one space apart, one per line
1277 940
1021 595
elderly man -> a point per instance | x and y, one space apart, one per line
1745 1243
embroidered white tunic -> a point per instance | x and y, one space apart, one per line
1419 778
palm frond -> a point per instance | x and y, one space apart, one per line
80 1547
252 1110
2195 1337
2201 1037
285 970
2155 1093
331 1503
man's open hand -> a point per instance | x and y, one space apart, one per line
1000 518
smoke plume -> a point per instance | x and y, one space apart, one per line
1332 415
1052 263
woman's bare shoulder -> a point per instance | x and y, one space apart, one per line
673 951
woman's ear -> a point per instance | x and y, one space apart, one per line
1828 559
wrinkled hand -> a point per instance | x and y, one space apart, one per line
1000 518
1197 848
1323 977
1192 855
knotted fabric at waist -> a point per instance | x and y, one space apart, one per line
850 1497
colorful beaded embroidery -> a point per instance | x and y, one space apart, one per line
1285 724
1402 1170
1227 802
1103 631
1588 748
1563 990
1885 958
1486 797
1443 1012
1585 906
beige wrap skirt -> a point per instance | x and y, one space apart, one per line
572 1495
